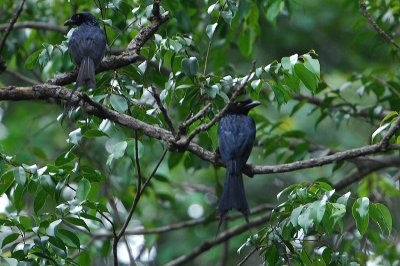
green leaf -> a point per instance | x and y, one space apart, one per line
318 210
272 255
19 175
17 198
32 59
75 136
343 199
274 9
6 180
190 66
65 158
381 215
379 130
308 78
70 235
83 189
210 29
118 103
39 201
52 228
305 221
8 262
227 16
94 133
312 64
294 216
91 217
47 183
388 116
211 8
9 238
360 211
142 67
327 255
77 221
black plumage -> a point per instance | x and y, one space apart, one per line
236 135
87 46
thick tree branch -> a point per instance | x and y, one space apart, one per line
46 92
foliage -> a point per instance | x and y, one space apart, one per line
328 83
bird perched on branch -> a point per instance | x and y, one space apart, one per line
87 46
236 135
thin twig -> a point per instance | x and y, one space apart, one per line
163 110
366 169
376 27
389 134
184 125
209 42
225 236
247 257
218 116
21 77
11 25
134 204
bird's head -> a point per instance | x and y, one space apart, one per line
81 18
242 107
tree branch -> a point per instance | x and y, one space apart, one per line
127 57
372 165
376 27
46 92
180 225
6 33
35 25
218 240
238 90
163 110
11 25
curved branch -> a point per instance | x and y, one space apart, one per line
372 165
46 92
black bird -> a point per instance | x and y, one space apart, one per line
236 134
87 46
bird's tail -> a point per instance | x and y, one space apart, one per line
86 76
233 194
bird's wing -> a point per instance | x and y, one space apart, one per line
87 41
236 136
245 138
226 140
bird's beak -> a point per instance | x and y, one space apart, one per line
252 105
70 23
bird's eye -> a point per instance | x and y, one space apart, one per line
238 104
